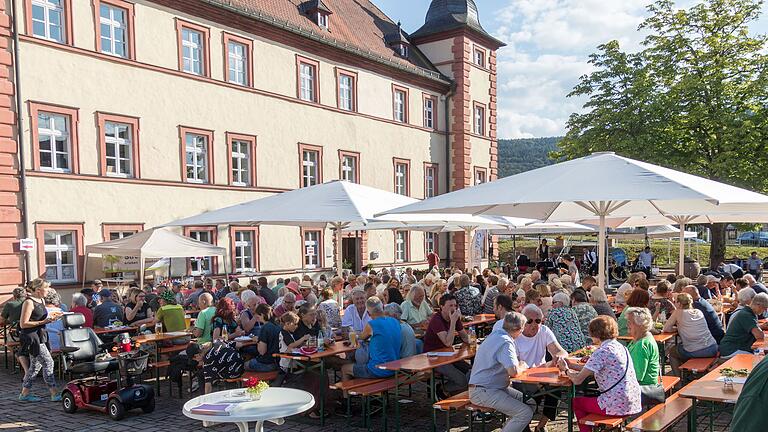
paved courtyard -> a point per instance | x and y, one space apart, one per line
49 416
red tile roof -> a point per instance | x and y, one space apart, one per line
355 24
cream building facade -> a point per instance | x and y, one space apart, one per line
123 115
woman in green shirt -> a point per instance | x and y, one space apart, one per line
645 353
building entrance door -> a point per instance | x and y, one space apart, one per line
350 253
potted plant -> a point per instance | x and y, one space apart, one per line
255 388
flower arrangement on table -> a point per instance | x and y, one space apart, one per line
255 388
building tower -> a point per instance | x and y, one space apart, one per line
453 39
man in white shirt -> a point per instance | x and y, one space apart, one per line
645 259
754 265
408 277
356 314
532 347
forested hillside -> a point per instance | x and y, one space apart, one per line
524 154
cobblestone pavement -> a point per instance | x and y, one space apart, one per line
49 416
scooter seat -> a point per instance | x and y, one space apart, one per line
95 367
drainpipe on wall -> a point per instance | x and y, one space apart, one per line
20 139
446 102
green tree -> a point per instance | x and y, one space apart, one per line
693 98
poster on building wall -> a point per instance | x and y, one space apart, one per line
478 243
116 264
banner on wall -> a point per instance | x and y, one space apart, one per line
117 264
478 244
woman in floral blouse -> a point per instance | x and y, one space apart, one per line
612 368
564 323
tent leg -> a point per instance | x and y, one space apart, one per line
601 282
681 254
85 266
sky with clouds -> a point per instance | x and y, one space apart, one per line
548 45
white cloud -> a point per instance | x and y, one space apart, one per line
549 44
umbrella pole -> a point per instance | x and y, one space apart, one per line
681 254
85 266
339 261
601 253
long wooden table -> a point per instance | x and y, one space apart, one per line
121 329
156 339
660 339
549 377
311 363
425 364
707 388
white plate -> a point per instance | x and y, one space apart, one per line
243 339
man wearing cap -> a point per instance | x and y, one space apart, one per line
306 292
107 311
711 290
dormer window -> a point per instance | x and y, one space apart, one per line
322 20
402 50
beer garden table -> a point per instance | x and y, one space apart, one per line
707 388
660 339
315 362
155 339
552 378
411 367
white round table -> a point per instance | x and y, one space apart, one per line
275 404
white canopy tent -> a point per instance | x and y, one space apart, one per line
154 243
621 188
337 204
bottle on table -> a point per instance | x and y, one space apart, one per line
320 341
472 336
224 334
158 328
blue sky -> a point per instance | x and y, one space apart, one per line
548 44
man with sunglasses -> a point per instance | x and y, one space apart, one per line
533 345
443 328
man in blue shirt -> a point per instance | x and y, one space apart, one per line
381 337
495 362
713 321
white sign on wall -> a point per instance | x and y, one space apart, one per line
27 244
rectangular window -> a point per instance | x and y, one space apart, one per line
244 251
311 165
241 163
322 20
349 166
400 105
194 48
430 106
347 91
401 246
480 57
49 19
60 256
479 119
117 235
113 28
481 176
197 158
430 180
111 232
430 242
237 56
402 175
119 149
308 75
311 246
201 265
54 141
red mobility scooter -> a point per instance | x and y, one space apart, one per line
85 354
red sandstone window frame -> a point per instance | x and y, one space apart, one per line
424 98
109 228
183 131
356 155
435 179
320 248
74 121
479 170
407 163
101 119
214 232
475 106
226 39
251 140
407 238
129 22
206 58
254 246
309 147
353 75
77 228
315 84
68 33
479 50
406 117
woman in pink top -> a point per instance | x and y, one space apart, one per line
613 370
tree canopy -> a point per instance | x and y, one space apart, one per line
694 98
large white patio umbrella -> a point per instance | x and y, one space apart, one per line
601 185
335 204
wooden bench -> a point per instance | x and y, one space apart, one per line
697 365
354 383
379 389
456 402
662 416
